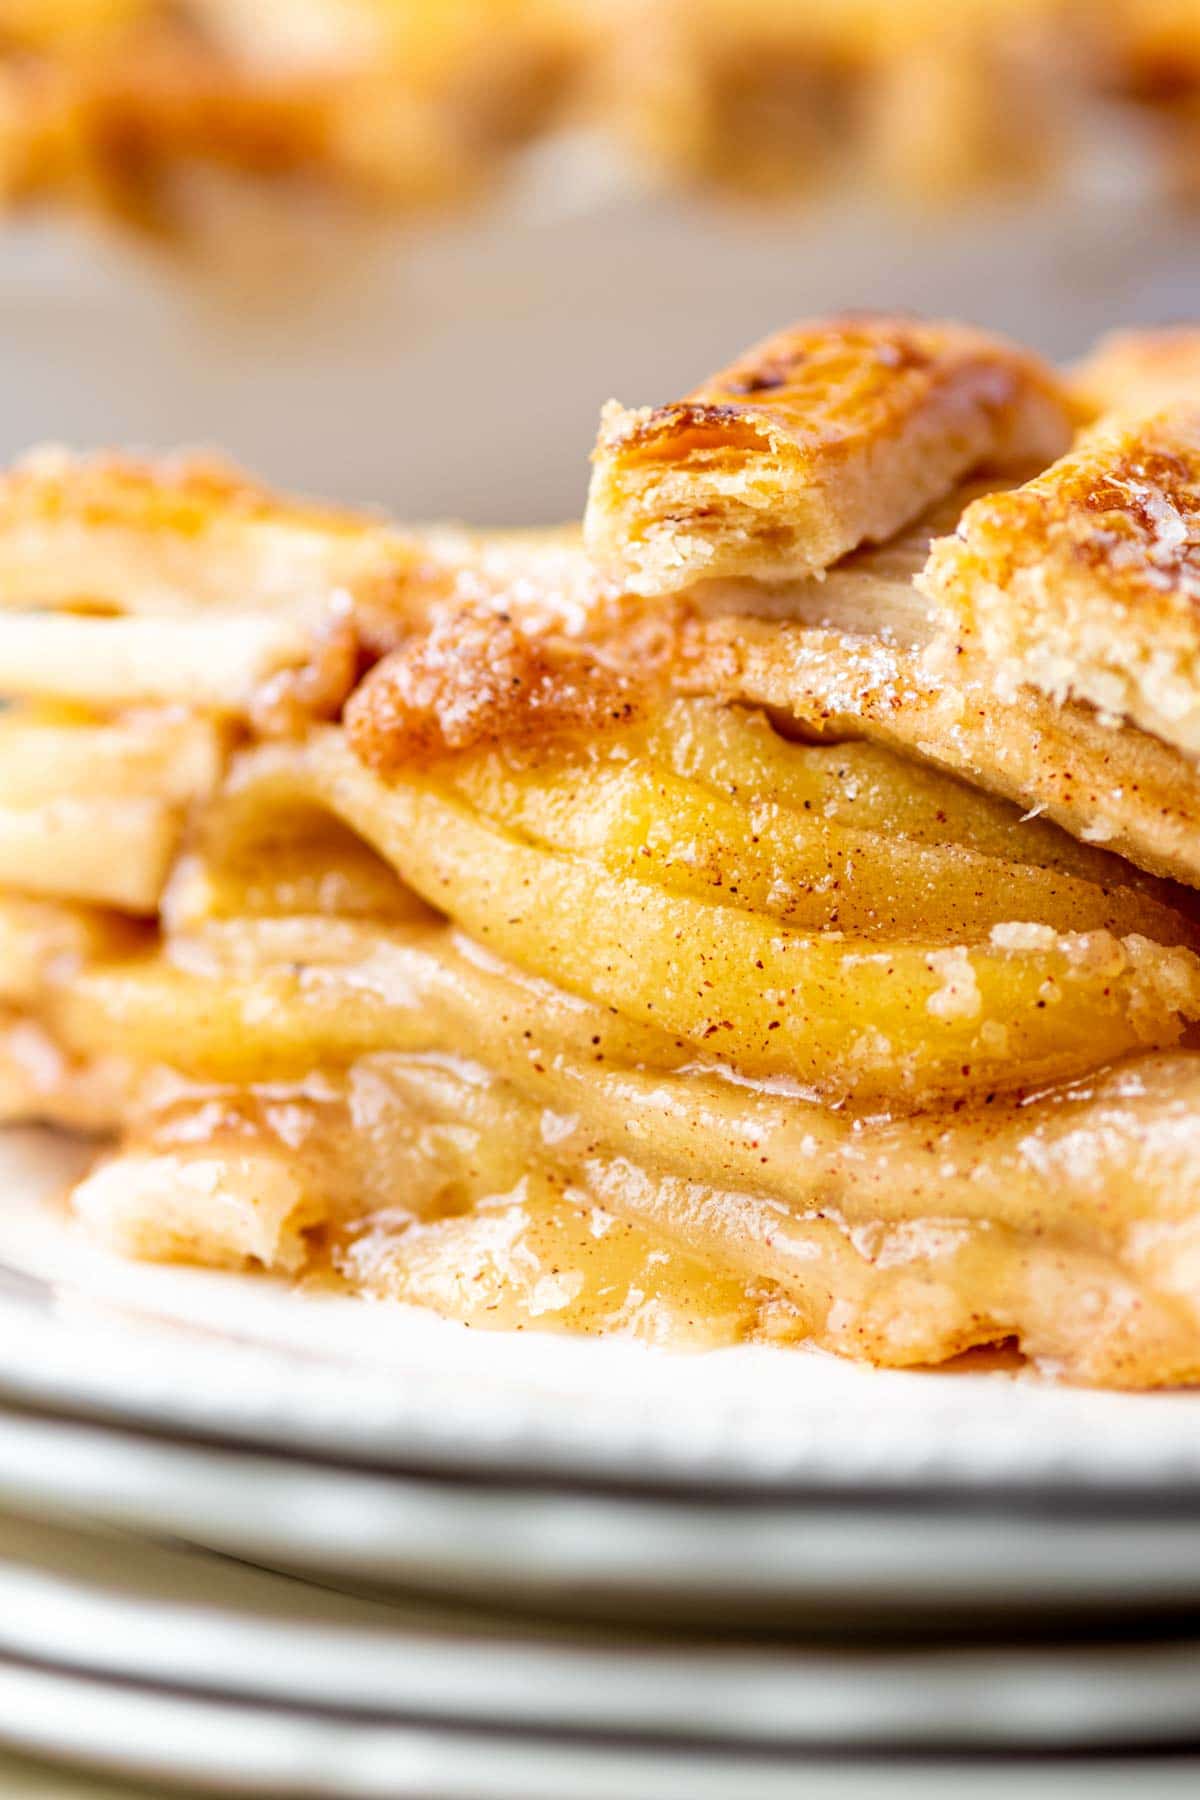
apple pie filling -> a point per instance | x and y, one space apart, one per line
707 964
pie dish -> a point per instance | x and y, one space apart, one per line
730 922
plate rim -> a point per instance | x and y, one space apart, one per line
594 1555
128 1610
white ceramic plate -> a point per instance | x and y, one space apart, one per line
241 1359
834 1564
247 1749
113 1606
237 1747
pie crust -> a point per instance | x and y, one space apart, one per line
830 435
1085 582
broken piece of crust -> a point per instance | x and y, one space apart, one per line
1139 371
1085 583
829 435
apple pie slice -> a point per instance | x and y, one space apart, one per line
560 957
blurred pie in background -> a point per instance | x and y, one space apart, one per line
407 103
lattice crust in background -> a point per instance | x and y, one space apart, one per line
411 103
433 912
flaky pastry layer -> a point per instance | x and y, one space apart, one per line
1085 582
832 434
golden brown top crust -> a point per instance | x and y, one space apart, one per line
827 387
108 533
188 494
1140 371
114 533
1120 512
830 434
194 539
192 494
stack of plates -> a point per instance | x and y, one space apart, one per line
282 1544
